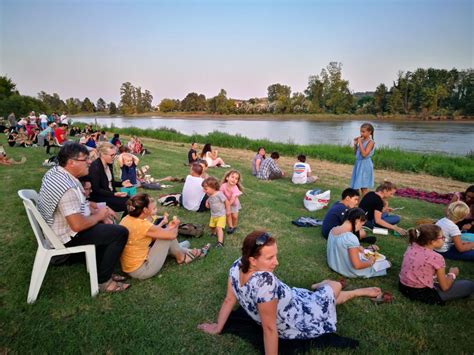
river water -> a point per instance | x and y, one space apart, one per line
454 138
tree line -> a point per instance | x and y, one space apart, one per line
424 91
132 101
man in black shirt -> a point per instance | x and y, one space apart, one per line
192 154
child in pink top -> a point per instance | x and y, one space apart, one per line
421 264
232 188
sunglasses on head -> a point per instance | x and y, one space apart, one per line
262 239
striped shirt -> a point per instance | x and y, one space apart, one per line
61 195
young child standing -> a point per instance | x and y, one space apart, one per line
219 206
421 263
232 188
302 172
363 171
453 247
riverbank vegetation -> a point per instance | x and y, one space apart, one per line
421 93
160 315
458 168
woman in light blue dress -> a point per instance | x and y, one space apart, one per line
282 311
343 248
363 171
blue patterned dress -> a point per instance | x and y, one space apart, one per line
363 171
301 314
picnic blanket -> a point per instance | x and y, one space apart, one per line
433 197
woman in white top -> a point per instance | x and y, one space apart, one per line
211 157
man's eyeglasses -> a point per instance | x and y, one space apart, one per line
85 159
262 239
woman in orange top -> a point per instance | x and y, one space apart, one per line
139 258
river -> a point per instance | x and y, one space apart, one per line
453 138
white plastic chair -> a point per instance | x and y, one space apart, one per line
49 245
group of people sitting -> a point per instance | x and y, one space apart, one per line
78 200
266 168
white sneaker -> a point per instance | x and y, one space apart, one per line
185 244
225 166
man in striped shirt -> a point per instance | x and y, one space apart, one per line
269 170
62 204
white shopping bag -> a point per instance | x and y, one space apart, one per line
316 200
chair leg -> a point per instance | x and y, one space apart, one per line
40 267
92 269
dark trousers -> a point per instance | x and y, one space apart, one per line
118 204
109 241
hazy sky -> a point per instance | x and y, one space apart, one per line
89 48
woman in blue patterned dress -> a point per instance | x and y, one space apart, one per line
282 311
363 171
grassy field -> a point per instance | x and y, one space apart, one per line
457 168
160 315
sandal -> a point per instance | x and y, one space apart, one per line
385 297
112 286
205 249
118 278
189 256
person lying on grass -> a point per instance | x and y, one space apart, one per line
421 264
282 311
148 244
344 250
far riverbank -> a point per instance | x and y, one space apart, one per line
284 117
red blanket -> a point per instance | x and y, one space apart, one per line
433 197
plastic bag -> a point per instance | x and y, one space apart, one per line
315 200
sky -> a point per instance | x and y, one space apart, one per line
85 48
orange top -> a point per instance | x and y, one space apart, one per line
136 250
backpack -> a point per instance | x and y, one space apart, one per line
191 230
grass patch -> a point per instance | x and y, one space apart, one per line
160 315
457 168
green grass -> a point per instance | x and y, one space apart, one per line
457 168
160 315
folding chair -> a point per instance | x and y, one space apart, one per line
49 245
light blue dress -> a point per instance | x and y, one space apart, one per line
301 314
338 256
363 171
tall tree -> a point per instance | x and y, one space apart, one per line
112 108
219 103
73 105
169 105
101 105
87 105
7 88
127 98
315 93
380 98
194 102
53 102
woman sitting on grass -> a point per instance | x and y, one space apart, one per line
421 264
343 248
148 245
211 157
283 312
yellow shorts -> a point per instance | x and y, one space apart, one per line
217 222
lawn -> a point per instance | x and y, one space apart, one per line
160 315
